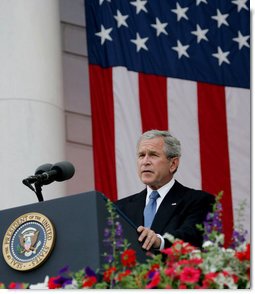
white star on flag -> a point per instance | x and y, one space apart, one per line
121 19
102 1
160 27
104 34
139 42
242 40
180 12
200 1
181 49
220 18
140 5
201 34
240 4
221 56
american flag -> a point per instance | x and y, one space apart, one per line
178 65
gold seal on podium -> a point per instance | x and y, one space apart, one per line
28 241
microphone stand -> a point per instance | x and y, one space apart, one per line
38 191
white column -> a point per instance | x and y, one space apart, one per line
31 101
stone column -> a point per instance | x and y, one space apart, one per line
32 128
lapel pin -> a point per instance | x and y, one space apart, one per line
173 203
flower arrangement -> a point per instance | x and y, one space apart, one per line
181 266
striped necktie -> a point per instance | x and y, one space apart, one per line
150 209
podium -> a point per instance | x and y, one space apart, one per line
79 223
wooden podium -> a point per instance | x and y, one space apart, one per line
79 223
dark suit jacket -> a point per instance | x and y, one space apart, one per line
178 214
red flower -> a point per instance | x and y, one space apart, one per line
123 274
154 281
225 273
244 255
179 248
183 262
196 261
235 278
13 285
209 280
190 275
170 272
108 274
154 267
89 282
52 284
128 258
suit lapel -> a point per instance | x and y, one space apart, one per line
168 207
137 207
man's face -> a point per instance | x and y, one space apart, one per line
154 168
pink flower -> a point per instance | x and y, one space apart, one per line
190 275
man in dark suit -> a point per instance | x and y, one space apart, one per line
173 208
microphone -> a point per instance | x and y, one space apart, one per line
44 168
48 173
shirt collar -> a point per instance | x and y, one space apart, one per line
163 190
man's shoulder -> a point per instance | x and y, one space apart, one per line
131 198
196 193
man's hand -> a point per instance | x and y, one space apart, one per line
149 238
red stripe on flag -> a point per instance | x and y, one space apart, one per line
215 164
102 107
153 102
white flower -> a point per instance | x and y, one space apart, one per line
40 286
196 253
219 239
222 281
169 237
207 244
230 250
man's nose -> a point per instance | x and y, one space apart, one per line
146 160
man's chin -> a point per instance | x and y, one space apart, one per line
147 181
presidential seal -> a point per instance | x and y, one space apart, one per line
28 241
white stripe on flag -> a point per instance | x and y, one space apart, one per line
238 116
127 130
183 123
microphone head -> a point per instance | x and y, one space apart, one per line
44 168
65 170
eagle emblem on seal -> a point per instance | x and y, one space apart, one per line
28 241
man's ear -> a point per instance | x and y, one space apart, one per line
174 163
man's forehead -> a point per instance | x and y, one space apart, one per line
151 144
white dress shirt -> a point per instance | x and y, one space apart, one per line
162 193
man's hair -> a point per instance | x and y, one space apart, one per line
172 145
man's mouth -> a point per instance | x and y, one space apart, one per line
147 171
